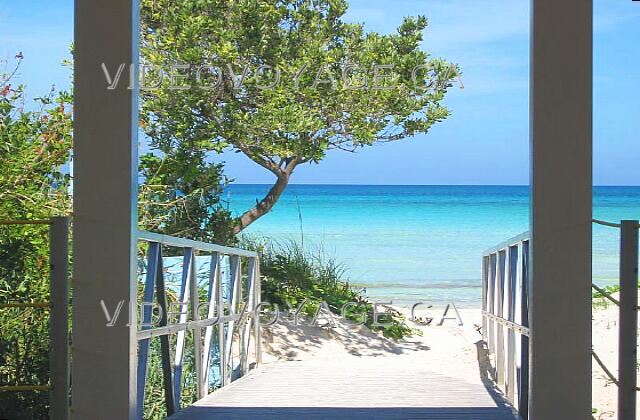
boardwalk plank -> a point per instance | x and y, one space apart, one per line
367 388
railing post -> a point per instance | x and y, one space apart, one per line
627 361
523 310
493 266
241 326
249 311
153 254
257 299
222 355
485 281
59 322
510 274
500 283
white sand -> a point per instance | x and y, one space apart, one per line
605 344
449 349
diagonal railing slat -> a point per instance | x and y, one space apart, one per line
246 333
185 295
235 287
165 349
212 296
197 332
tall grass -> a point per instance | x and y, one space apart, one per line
295 275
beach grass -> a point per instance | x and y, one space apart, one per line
301 278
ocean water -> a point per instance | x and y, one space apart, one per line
420 243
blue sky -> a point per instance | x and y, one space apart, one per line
485 141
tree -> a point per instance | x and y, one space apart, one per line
284 82
36 146
181 195
35 141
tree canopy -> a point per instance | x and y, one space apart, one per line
182 195
284 82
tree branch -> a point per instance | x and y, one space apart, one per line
260 160
265 205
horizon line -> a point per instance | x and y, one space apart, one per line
414 185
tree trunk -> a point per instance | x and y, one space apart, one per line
265 205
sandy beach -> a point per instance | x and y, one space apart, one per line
605 344
450 349
348 372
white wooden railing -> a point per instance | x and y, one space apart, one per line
505 320
228 326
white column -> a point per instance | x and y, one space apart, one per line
561 164
105 216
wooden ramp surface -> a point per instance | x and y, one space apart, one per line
366 388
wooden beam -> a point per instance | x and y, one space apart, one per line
561 164
59 322
628 320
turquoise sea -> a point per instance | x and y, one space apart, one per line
420 243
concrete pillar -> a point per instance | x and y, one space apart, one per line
561 165
105 216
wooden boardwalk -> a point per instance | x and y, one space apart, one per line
354 388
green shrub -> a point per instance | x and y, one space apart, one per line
608 289
599 301
35 141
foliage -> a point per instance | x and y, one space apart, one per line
607 289
34 150
295 122
599 299
294 276
328 94
35 147
154 401
181 196
154 398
